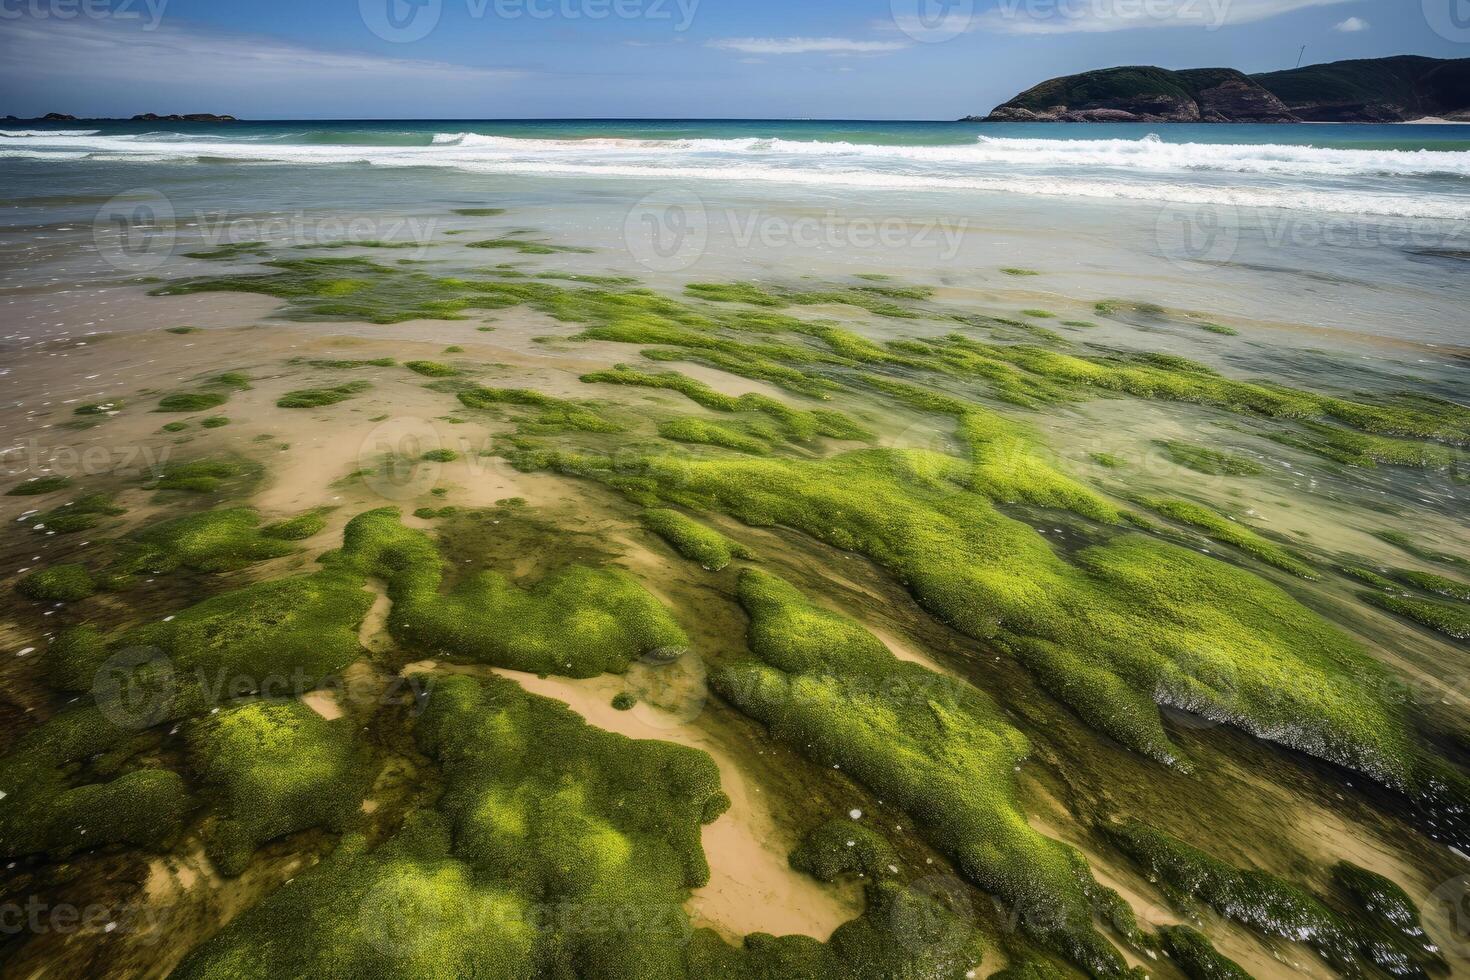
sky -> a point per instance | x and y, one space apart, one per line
490 59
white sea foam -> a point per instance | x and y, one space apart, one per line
32 133
1396 183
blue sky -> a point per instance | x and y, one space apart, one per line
868 59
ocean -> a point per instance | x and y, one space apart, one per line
1353 227
1075 420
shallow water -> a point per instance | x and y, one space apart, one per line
1333 256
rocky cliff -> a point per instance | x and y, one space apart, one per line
1374 90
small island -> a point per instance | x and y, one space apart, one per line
141 117
1375 90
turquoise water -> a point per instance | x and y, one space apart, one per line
894 133
1340 227
1394 171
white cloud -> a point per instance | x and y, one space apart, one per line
190 58
1106 16
1351 26
803 45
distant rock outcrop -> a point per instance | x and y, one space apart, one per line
187 117
142 117
1373 90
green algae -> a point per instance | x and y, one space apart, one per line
844 847
1168 378
300 629
431 369
552 415
1197 957
1208 461
191 401
232 380
573 859
81 514
1219 328
276 768
1407 544
38 485
711 549
207 475
1361 449
214 422
589 280
1112 629
321 397
59 583
1017 271
874 299
527 247
100 408
801 425
440 456
1230 532
577 621
624 701
230 250
44 812
556 849
934 747
220 540
702 432
1430 582
183 331
1451 619
1269 905
340 289
1388 907
1107 460
479 212
377 913
297 528
340 364
173 427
